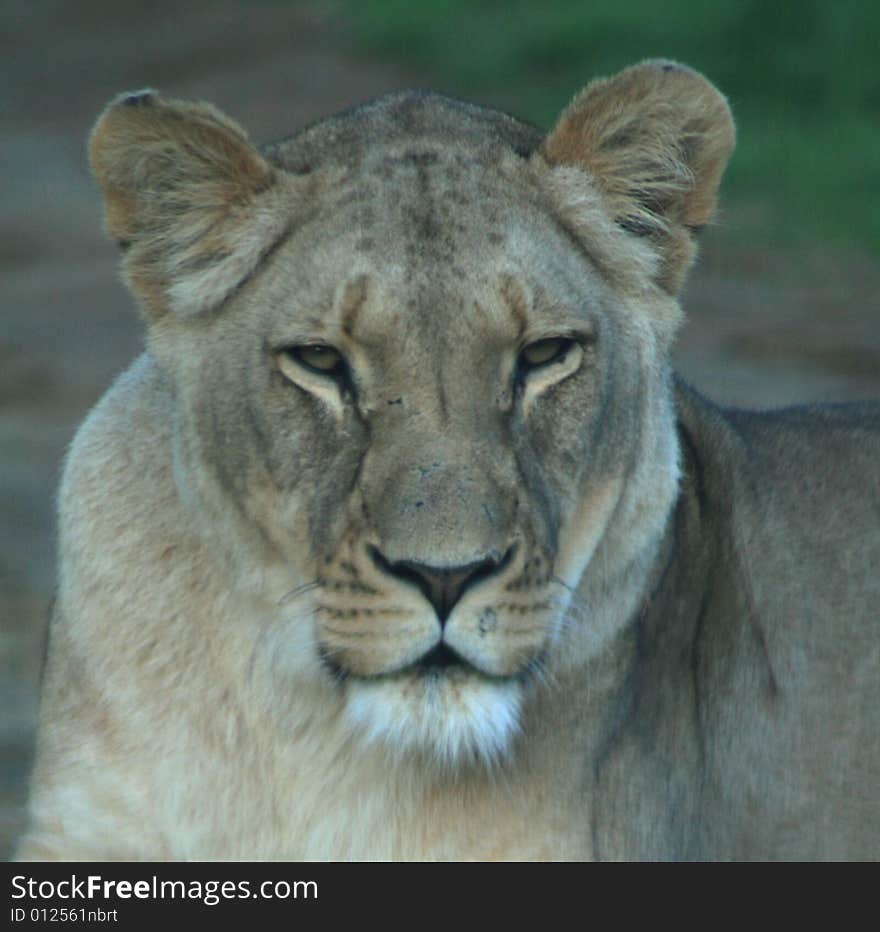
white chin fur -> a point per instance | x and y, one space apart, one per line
451 719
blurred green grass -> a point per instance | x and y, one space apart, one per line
802 78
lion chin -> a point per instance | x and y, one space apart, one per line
451 716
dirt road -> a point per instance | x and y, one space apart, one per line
765 327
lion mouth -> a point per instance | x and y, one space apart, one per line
439 663
441 659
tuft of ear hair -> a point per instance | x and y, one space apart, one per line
654 139
185 196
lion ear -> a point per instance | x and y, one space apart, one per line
654 139
185 196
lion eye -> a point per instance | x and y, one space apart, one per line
543 352
317 357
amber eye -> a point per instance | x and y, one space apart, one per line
544 352
317 357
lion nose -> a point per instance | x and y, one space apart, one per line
443 586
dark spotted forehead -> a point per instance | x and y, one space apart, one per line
405 116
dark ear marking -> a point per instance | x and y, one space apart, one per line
139 98
635 226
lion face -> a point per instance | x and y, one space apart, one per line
426 407
419 388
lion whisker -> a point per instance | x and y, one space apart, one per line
297 591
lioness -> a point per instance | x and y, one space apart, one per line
401 540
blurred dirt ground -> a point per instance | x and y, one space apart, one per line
765 327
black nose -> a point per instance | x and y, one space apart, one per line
442 586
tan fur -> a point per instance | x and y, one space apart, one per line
431 603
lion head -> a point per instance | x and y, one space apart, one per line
419 361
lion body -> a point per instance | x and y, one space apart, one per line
454 598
